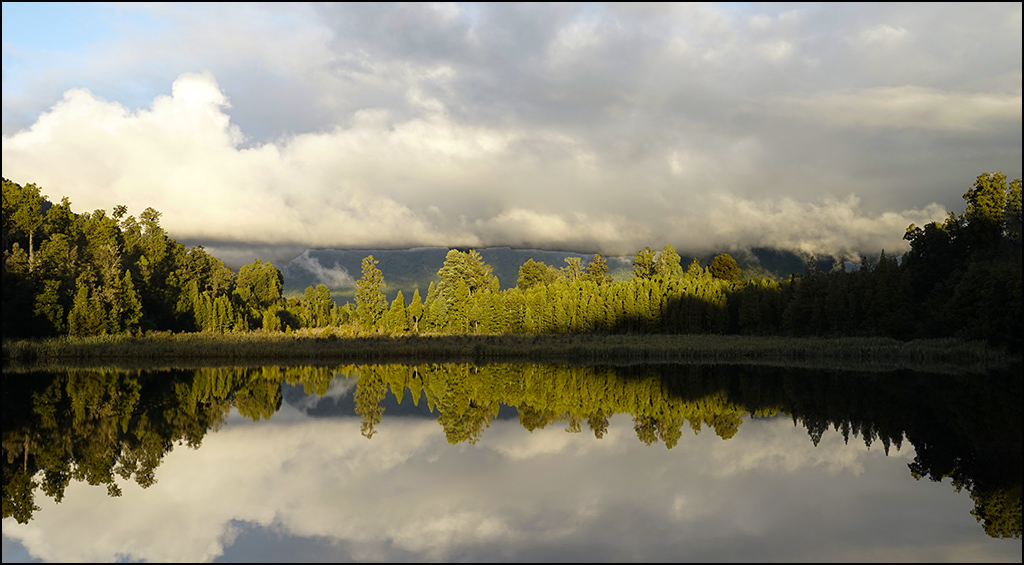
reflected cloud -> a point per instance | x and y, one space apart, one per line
408 494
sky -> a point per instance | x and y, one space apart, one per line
262 130
297 489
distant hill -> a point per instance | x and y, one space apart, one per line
411 269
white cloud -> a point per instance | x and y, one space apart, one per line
334 278
422 181
883 33
603 127
829 228
906 107
776 51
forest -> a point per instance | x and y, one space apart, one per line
67 273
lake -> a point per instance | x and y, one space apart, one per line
511 462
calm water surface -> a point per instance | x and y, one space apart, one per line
511 463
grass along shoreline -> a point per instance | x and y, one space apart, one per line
308 347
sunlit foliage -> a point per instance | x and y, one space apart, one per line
94 274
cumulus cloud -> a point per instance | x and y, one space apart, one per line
420 182
584 127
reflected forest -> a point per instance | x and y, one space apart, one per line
99 425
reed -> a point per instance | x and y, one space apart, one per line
327 347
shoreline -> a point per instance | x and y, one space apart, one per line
161 349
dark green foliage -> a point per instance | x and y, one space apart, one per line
965 273
98 274
258 285
22 215
724 267
258 288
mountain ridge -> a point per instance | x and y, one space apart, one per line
412 269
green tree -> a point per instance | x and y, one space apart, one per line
724 267
371 303
415 311
668 264
259 287
694 270
986 200
469 267
462 278
644 263
1013 213
457 309
60 219
992 204
198 274
533 273
58 268
398 316
126 306
316 306
87 316
22 214
573 269
597 270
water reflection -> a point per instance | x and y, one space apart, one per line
511 462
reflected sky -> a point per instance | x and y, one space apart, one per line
313 489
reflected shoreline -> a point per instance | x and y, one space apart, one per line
96 425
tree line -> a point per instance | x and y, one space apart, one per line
88 274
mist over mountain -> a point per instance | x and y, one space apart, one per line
411 269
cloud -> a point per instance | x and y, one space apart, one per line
597 127
883 33
906 107
336 277
834 228
427 181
